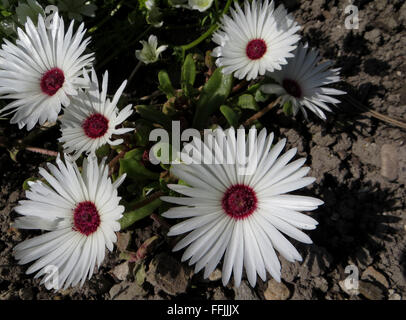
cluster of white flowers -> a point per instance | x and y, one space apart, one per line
240 216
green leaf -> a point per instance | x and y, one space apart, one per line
247 101
165 84
287 108
26 186
188 75
131 165
213 95
156 116
133 216
103 151
142 131
230 115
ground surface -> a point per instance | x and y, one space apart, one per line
359 163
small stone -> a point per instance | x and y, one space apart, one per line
121 271
26 294
324 140
373 274
127 291
276 291
168 274
373 36
367 152
371 291
389 162
244 292
218 294
321 284
215 275
393 295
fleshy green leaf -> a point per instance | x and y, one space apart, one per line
156 116
247 101
230 115
133 216
213 95
287 108
188 75
131 165
165 84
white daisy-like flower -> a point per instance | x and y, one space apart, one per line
80 211
302 82
240 211
255 40
42 70
150 51
91 120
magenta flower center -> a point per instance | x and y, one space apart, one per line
292 87
239 201
95 126
86 218
256 49
52 81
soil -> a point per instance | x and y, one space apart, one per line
359 163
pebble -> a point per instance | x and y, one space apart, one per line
276 291
168 274
389 162
244 292
127 291
215 275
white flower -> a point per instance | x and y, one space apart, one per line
91 120
302 82
80 211
255 40
150 53
201 5
240 211
42 71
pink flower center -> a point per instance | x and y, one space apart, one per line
95 126
239 201
292 87
52 81
86 218
256 49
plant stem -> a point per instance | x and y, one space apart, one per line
260 113
148 200
139 64
207 33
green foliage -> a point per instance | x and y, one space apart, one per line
154 115
287 108
247 101
76 9
132 165
188 75
130 217
165 84
230 115
214 94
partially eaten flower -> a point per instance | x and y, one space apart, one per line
150 51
